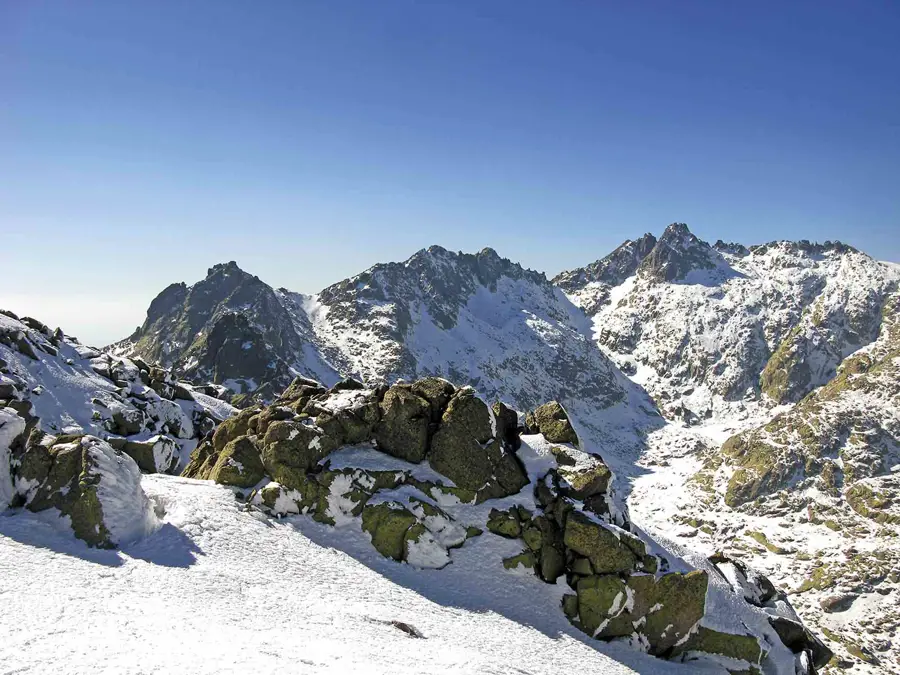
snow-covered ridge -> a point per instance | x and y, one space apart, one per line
474 318
772 321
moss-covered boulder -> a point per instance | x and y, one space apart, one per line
82 478
437 391
584 479
232 428
552 421
403 428
504 523
239 464
290 449
158 454
607 551
740 647
466 450
387 524
524 560
599 599
663 610
349 416
672 605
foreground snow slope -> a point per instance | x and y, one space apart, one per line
217 590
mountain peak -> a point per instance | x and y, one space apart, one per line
225 269
677 253
612 269
677 230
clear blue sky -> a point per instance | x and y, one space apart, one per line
141 142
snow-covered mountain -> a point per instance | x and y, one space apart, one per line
473 318
724 410
775 365
708 325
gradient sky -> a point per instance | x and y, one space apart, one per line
142 142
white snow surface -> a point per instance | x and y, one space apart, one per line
217 589
11 425
127 513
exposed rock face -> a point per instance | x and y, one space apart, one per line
552 421
77 426
850 420
466 448
97 487
230 328
606 273
403 428
464 444
678 253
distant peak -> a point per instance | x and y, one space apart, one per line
488 252
677 230
224 268
677 253
731 248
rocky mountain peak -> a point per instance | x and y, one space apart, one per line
612 269
677 253
225 269
731 248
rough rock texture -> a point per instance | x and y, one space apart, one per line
606 273
851 419
552 421
84 478
478 319
230 328
405 419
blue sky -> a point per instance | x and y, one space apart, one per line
142 142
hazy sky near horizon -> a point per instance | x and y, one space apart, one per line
142 142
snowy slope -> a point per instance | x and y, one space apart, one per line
476 319
225 592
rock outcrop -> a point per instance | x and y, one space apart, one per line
79 425
316 452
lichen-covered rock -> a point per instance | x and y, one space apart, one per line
347 415
437 391
525 559
466 450
608 552
504 523
290 449
387 524
233 427
552 421
740 647
158 454
403 429
97 487
663 610
599 599
239 464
